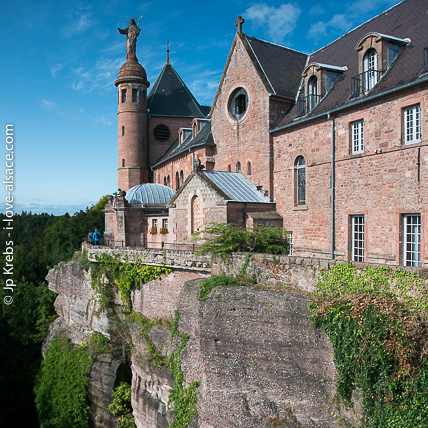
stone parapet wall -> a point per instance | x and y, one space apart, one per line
177 259
300 273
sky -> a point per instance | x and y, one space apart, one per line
59 61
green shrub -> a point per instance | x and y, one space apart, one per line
121 407
207 285
223 238
60 389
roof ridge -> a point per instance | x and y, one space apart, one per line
277 44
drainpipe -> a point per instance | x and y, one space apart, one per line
332 186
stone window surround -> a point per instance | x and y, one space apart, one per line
356 243
295 184
229 116
379 42
414 131
351 137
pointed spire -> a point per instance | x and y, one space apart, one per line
167 51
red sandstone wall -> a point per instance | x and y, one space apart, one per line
158 148
248 138
382 185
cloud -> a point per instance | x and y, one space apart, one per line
56 69
278 23
339 23
353 13
79 25
101 75
57 109
316 10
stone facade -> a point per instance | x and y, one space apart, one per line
339 147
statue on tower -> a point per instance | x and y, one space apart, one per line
132 32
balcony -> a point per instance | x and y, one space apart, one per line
306 104
363 83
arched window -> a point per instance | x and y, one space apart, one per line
181 178
238 166
249 168
195 214
300 180
229 168
370 70
168 181
177 181
164 181
312 93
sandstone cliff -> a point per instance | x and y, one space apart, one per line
260 361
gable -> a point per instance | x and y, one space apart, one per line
197 186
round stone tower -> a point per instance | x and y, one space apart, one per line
132 84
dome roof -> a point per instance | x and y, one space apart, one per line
149 193
132 71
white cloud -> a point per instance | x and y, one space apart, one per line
101 75
352 13
59 110
56 69
316 10
339 23
278 23
79 25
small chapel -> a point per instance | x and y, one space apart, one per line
332 146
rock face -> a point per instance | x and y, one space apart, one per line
261 362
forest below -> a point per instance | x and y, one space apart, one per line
39 242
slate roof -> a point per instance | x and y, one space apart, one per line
170 96
236 186
408 19
203 137
282 66
149 193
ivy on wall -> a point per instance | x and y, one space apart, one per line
376 320
60 389
182 399
110 272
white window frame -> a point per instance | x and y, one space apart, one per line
412 240
312 93
412 124
357 137
165 223
155 222
357 238
370 70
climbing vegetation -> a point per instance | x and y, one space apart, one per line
60 389
376 320
181 398
110 272
121 407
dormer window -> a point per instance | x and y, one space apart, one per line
370 74
319 80
376 53
183 133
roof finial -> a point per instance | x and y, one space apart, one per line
239 23
167 50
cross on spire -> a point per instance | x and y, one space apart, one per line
239 23
167 51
